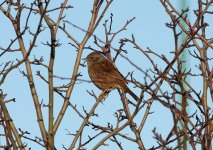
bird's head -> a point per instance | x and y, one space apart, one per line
95 57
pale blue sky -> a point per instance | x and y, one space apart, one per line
149 30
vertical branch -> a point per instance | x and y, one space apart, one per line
203 56
51 91
132 125
51 134
10 127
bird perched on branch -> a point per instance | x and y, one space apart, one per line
105 75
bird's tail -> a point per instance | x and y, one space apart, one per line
133 95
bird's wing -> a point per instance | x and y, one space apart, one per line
111 71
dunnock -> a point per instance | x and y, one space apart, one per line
104 74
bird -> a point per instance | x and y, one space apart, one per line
105 75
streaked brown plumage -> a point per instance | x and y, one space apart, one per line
104 74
